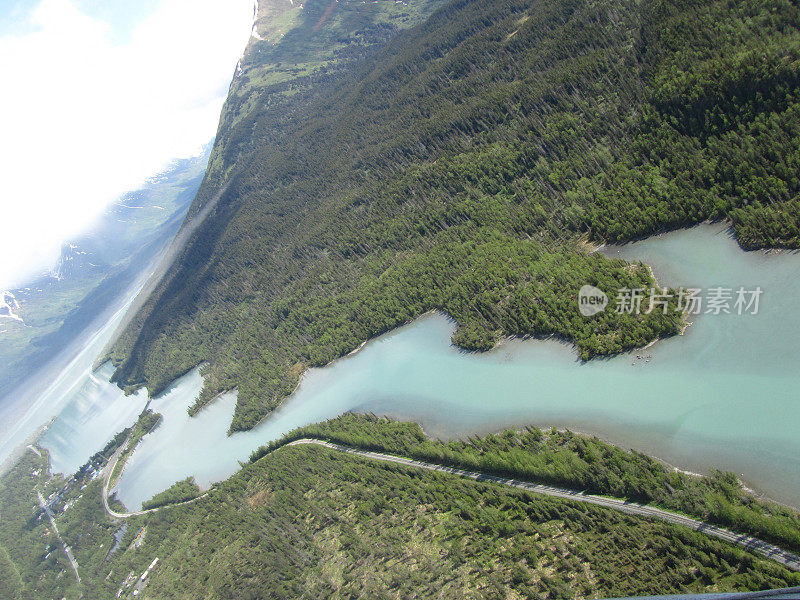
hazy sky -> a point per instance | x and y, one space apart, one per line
97 95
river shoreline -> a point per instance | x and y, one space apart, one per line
694 405
746 485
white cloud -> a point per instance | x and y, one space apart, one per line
84 119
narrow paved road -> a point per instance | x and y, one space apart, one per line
67 550
749 543
109 469
752 544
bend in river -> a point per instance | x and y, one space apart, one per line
723 395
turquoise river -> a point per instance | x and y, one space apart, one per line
726 394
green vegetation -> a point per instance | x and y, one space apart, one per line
306 521
376 161
31 559
33 564
299 47
180 491
10 580
147 422
563 458
461 167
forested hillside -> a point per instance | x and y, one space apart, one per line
566 459
460 165
309 522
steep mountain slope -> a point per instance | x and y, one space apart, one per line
460 168
94 271
295 47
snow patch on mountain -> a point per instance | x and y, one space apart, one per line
72 262
8 304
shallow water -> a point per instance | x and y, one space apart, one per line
62 391
723 395
95 413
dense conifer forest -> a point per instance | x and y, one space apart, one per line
309 522
460 161
379 160
573 461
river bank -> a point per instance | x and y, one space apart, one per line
713 397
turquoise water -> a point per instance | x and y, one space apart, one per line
95 412
70 393
723 395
